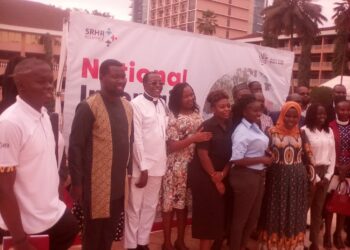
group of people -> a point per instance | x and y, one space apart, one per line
244 172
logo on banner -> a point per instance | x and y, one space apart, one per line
105 36
264 59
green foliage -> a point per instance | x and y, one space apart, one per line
207 24
301 17
341 50
321 95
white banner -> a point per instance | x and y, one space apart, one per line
204 62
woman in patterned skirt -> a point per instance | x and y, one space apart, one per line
285 205
182 134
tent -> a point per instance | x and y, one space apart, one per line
336 80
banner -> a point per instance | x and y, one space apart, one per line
205 62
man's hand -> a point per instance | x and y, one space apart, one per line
143 179
77 194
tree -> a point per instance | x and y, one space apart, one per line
341 49
207 24
290 17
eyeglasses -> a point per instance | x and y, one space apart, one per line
157 83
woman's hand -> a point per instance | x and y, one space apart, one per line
202 136
220 187
217 176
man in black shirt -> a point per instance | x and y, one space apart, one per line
99 155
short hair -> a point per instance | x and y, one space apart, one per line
292 97
175 98
242 104
104 67
215 96
311 117
146 76
26 65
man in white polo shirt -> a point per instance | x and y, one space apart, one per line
29 202
149 162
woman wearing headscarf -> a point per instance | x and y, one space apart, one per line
285 205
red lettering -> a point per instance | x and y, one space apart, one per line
92 69
132 72
172 82
140 73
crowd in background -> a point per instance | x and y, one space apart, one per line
245 172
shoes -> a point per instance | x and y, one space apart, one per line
142 247
327 242
338 241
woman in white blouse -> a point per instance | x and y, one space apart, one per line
322 144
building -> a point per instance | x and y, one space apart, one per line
24 32
235 18
259 5
139 11
321 57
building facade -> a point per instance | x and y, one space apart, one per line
321 54
23 32
139 11
235 18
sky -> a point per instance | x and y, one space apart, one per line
120 8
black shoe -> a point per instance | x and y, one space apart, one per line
142 247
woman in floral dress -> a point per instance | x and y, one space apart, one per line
285 205
182 134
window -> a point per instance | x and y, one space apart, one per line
175 9
159 22
183 7
191 4
174 20
167 11
167 22
183 18
153 14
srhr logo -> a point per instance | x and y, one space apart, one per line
105 36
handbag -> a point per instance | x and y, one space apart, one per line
339 200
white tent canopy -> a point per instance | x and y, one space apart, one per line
336 80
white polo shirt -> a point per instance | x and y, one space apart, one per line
150 122
27 143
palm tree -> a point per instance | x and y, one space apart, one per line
341 49
290 17
207 24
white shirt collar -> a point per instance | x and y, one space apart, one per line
30 110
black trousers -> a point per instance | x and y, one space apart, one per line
99 233
63 233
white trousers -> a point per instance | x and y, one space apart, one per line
140 211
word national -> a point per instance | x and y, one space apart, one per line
90 69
